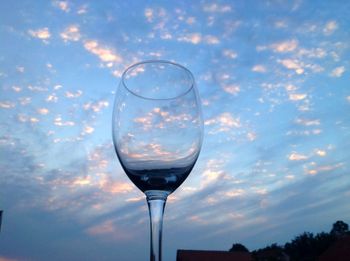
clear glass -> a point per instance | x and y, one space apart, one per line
157 133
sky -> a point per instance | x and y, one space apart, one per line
273 77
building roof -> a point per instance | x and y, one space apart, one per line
206 255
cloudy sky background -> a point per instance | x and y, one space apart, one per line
273 77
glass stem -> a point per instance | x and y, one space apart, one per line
156 202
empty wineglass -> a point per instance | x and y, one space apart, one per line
157 133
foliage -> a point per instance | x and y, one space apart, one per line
304 247
237 247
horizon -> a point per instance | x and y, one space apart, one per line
273 77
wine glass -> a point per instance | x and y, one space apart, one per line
157 133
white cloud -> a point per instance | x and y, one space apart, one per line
216 8
294 156
297 96
96 107
71 33
348 98
63 5
225 121
338 72
73 95
194 38
105 54
16 88
320 153
210 39
58 122
229 53
42 33
7 105
231 89
286 46
43 111
259 68
292 65
306 122
330 27
149 14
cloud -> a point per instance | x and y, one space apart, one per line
297 96
348 98
43 111
16 88
7 104
210 39
71 95
330 27
225 121
43 34
320 153
229 53
292 65
88 129
231 89
306 122
294 156
338 72
52 98
259 68
105 54
216 8
96 106
58 122
286 46
149 14
71 33
194 38
62 5
280 47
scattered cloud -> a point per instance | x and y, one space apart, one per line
58 122
216 8
294 156
52 98
96 106
71 95
229 53
194 38
62 5
7 104
42 33
71 33
210 39
43 111
259 68
105 54
338 72
232 89
292 65
225 121
286 46
330 27
297 96
320 153
307 122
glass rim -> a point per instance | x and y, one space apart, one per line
123 80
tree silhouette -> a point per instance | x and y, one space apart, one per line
339 229
237 247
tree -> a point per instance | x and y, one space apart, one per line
339 228
237 247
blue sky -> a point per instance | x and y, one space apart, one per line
273 77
